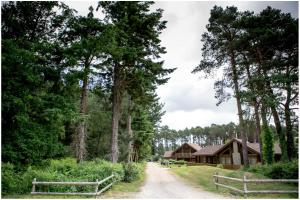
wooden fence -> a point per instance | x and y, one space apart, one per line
244 181
96 184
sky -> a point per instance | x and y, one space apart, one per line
189 98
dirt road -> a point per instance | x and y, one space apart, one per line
161 183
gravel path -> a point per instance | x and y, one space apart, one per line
162 184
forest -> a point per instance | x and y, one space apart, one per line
77 85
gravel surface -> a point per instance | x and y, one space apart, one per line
162 184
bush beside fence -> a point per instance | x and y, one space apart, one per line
64 170
288 170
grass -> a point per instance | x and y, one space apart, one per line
202 176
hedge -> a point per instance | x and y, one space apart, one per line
280 170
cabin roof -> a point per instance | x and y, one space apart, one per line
207 151
192 145
255 146
213 149
168 154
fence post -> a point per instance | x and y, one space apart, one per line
245 186
33 185
216 180
96 188
113 178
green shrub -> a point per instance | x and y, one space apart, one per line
9 179
164 162
288 170
58 170
171 161
62 166
268 144
156 158
180 162
132 172
283 170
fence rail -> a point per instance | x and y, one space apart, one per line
245 191
96 184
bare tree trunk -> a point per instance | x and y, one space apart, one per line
280 133
257 121
289 133
264 115
258 129
129 131
240 111
81 150
289 129
115 115
81 128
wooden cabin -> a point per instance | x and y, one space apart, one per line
184 152
231 153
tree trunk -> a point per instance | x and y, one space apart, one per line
269 92
257 121
239 106
280 133
289 133
258 129
130 136
115 115
81 129
81 134
129 131
256 114
289 129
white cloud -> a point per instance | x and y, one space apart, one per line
181 119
